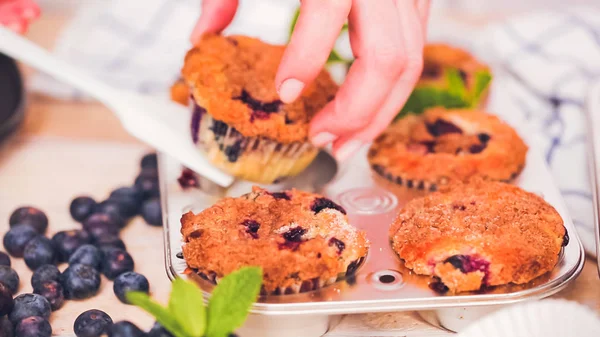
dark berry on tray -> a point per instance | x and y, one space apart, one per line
159 331
125 329
294 234
17 238
149 160
4 259
128 206
45 273
92 323
188 179
39 251
33 326
6 327
88 255
441 127
9 278
152 213
6 300
127 192
147 184
116 262
252 227
82 207
67 242
80 281
29 216
338 244
103 220
108 242
27 305
123 208
53 292
323 203
130 281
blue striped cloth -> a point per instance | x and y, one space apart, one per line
543 64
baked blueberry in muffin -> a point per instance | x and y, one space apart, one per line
478 235
302 241
237 117
427 151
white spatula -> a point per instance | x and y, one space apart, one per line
158 122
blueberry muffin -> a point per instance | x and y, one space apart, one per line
451 78
238 119
302 241
180 92
478 235
430 150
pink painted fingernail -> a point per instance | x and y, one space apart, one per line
323 138
348 150
290 89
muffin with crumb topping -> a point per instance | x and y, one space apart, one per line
477 235
302 241
238 119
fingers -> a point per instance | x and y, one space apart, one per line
17 14
316 32
423 10
214 17
378 46
410 25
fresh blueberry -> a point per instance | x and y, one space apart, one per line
130 281
45 273
6 300
188 179
320 204
125 329
116 209
149 160
17 238
108 242
6 327
147 183
116 262
29 216
4 259
92 323
53 292
39 251
9 278
152 213
159 331
33 326
82 207
27 305
103 220
67 242
127 192
88 255
80 281
128 206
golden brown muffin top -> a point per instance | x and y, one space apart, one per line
293 235
495 230
437 57
442 145
233 78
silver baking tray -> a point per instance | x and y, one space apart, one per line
381 284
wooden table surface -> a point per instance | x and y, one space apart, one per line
65 149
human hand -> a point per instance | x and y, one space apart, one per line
17 14
387 38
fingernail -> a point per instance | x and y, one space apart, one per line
29 13
323 138
290 89
348 150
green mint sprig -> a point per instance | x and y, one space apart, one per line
186 314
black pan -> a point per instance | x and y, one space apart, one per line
12 96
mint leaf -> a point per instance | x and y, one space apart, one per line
187 307
160 313
294 20
423 98
231 301
482 81
456 86
334 57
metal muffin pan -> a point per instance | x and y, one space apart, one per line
381 284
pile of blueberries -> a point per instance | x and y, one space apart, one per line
90 251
